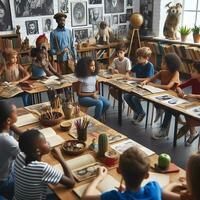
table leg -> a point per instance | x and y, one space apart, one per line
120 107
147 116
175 129
102 89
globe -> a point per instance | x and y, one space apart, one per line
136 20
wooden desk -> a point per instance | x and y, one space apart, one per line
64 193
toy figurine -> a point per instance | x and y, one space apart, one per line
93 146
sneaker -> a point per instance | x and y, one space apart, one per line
192 138
182 131
159 113
135 116
138 119
163 133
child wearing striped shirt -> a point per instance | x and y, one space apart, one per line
32 176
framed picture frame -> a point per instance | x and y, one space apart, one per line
95 15
81 34
63 6
146 9
79 13
94 2
114 6
32 27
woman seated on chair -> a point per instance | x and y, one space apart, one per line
88 94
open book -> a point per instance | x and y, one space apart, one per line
10 91
26 119
109 183
151 89
51 80
37 107
83 167
124 145
52 137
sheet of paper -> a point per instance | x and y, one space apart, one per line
124 145
195 111
151 89
37 107
48 132
27 119
55 140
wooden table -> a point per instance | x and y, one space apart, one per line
64 193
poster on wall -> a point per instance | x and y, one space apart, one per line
114 19
122 31
95 1
81 34
79 13
114 6
107 19
47 24
146 9
25 8
122 18
129 3
32 27
63 6
95 15
5 16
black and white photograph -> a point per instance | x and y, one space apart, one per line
47 24
114 19
122 31
32 27
79 13
5 16
33 8
95 15
95 1
107 19
146 9
95 29
122 18
129 13
129 3
114 6
81 34
63 6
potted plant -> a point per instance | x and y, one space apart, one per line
196 34
184 31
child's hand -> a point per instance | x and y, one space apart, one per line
95 95
56 153
127 77
102 172
190 96
180 93
144 82
115 71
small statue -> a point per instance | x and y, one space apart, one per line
103 36
17 29
25 44
93 146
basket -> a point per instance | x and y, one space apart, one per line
45 121
73 147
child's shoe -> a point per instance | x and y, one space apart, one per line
182 131
163 133
159 113
192 138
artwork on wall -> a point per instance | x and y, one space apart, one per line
122 31
114 6
95 15
47 24
95 29
114 19
129 3
81 34
107 19
5 16
122 18
146 9
64 6
33 8
79 13
32 27
129 13
95 1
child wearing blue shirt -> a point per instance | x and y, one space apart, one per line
143 69
134 167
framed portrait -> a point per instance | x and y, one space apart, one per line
122 18
33 8
5 17
81 34
95 1
47 24
129 3
95 15
114 6
115 19
128 13
146 9
107 19
32 27
63 6
79 13
122 31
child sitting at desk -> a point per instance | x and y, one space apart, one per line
143 69
169 77
8 148
134 168
32 176
190 125
41 66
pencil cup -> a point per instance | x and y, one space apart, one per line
82 134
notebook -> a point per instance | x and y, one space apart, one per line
26 119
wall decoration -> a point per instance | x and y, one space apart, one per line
81 34
146 9
129 3
122 18
79 13
114 19
95 15
95 1
122 31
33 8
32 27
47 24
129 13
64 6
114 6
95 29
107 19
5 16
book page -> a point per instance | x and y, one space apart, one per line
162 179
55 140
48 132
37 107
27 119
124 145
151 89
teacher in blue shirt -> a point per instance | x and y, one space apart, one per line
62 45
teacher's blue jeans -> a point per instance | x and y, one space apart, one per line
101 105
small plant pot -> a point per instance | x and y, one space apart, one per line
184 38
196 38
82 134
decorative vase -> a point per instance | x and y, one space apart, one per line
67 108
102 145
184 38
196 38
